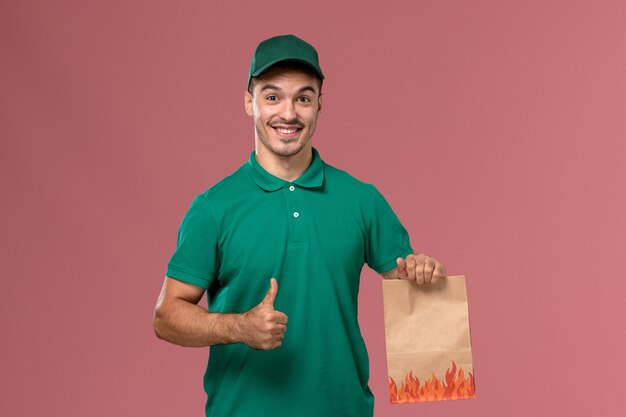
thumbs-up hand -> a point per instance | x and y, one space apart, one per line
264 327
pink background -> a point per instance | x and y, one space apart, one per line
495 129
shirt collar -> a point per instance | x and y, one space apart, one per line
312 177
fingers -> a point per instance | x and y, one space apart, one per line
279 318
421 268
401 268
410 267
420 263
429 268
270 331
275 342
439 273
270 297
277 331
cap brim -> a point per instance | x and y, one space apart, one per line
267 66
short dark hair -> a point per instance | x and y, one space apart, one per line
287 66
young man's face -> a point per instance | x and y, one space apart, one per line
285 105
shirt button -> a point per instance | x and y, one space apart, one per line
291 188
296 214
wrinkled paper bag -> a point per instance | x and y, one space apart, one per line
429 354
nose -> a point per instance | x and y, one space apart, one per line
288 111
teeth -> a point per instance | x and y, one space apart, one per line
286 131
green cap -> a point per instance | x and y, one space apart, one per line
283 48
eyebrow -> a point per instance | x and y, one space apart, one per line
275 87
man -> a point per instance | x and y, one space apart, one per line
288 221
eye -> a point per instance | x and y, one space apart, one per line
304 99
271 98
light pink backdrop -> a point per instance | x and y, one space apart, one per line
496 130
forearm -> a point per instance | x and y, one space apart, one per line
183 323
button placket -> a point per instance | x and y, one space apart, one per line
297 228
295 213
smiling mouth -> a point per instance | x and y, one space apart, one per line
287 132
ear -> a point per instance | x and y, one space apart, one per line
247 102
319 104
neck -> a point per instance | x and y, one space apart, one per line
287 168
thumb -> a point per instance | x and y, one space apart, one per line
401 268
271 294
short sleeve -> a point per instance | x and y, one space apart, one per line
196 259
387 239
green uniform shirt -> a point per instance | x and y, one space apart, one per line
313 235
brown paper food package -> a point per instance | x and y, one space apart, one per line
427 334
